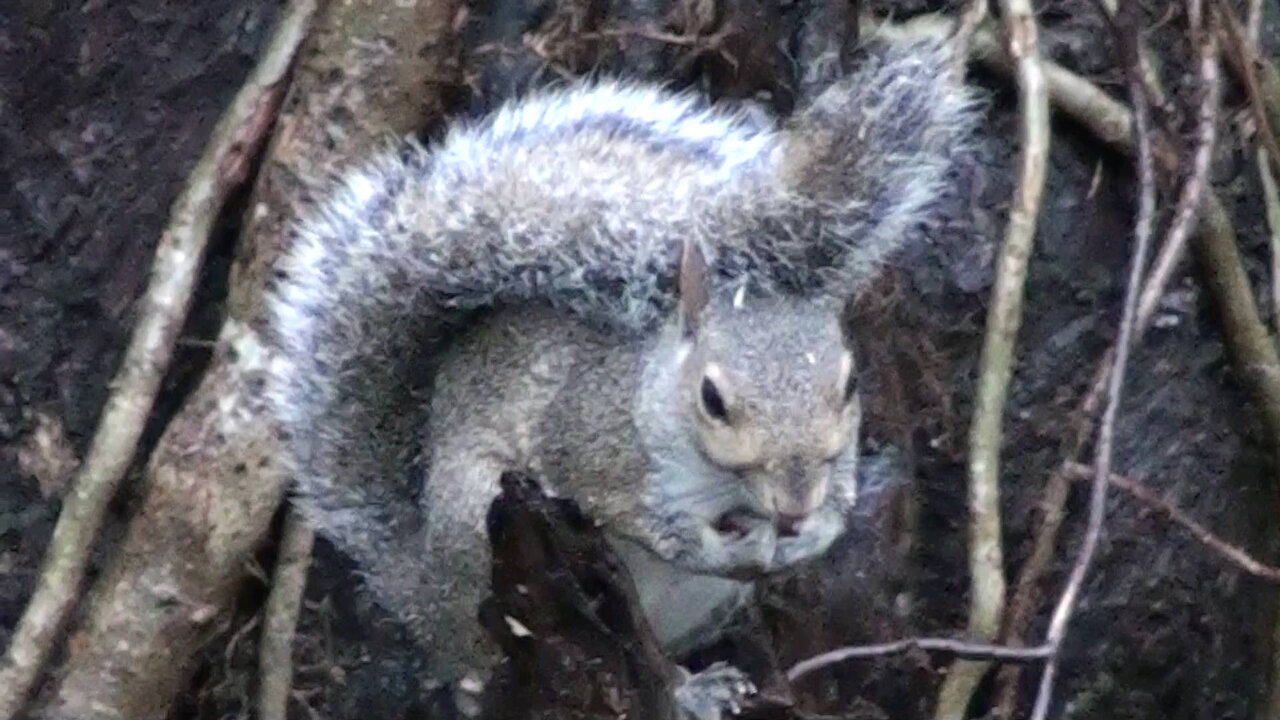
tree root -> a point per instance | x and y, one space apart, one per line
280 618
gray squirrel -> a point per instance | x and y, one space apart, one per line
634 296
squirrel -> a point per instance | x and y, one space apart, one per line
632 294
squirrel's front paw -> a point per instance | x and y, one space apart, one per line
713 694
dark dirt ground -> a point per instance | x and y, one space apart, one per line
105 106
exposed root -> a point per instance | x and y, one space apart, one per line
275 654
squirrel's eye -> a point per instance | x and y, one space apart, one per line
712 402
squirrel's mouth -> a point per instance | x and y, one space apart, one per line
738 522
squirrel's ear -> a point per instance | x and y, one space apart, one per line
693 286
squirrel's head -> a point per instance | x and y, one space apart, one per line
767 393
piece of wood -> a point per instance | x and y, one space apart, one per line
566 614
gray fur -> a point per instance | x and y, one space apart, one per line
575 204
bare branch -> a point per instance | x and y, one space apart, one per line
1025 597
163 309
275 654
1144 494
1264 115
1254 72
1155 89
1252 352
986 555
975 14
1061 618
1027 593
1266 168
1260 79
959 648
1190 197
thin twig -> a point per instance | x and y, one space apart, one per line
1185 216
163 308
975 13
1155 89
1271 199
1143 493
1266 169
1186 213
1062 613
958 648
1258 77
1027 591
986 554
275 655
1004 653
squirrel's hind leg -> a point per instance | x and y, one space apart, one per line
455 557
